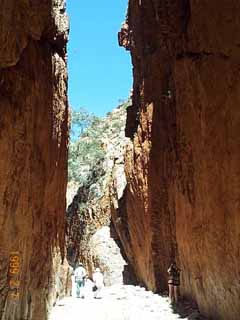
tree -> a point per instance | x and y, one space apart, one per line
80 121
85 148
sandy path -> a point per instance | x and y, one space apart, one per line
120 303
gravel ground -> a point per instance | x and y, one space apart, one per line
122 303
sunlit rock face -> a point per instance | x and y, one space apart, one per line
182 198
89 215
33 139
60 281
106 254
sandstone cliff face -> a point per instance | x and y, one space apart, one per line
182 198
89 214
33 138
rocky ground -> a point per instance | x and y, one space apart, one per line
121 302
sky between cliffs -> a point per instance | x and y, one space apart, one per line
100 72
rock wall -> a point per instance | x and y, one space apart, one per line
60 283
85 215
106 254
33 147
89 214
182 198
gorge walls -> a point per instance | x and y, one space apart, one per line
182 197
33 147
88 236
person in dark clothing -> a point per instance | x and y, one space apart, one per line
173 282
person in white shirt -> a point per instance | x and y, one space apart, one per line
99 284
88 287
80 274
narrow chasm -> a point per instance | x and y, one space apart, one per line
129 213
97 231
96 172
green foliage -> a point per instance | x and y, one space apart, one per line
126 103
87 151
80 120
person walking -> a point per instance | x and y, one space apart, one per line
80 274
73 287
174 282
98 282
88 287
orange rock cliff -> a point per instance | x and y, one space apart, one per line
33 148
181 200
182 196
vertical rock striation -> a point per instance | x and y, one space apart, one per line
182 197
33 147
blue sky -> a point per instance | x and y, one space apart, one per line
100 72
